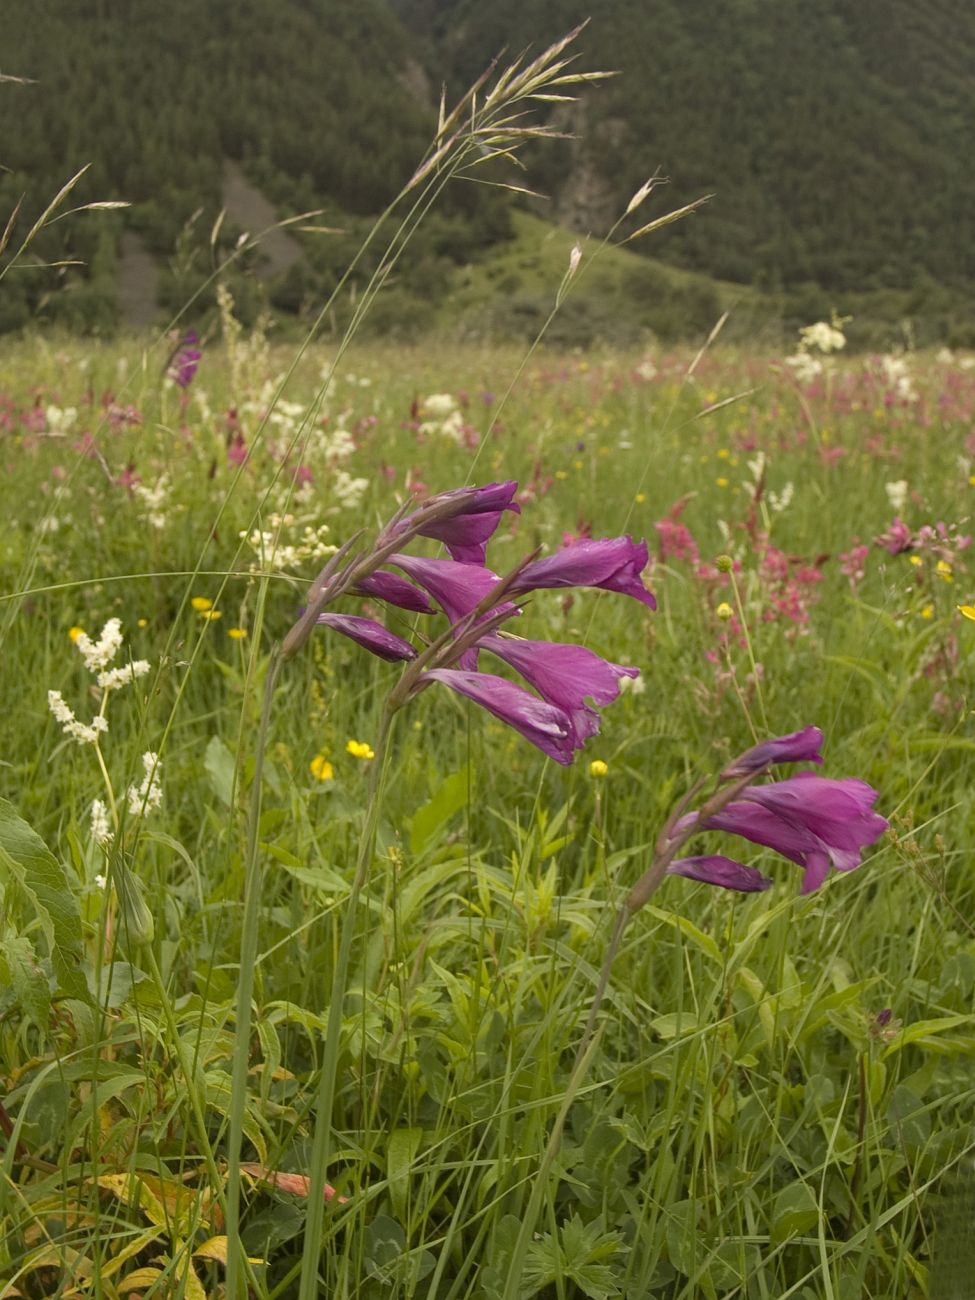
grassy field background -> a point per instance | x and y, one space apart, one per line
779 1103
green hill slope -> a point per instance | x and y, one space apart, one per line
835 139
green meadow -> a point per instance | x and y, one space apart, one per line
773 1096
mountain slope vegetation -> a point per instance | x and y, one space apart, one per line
833 138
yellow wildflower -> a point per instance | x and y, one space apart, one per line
968 611
211 614
237 633
943 570
360 749
721 482
598 768
75 632
927 611
640 498
724 610
723 453
201 604
916 561
142 622
321 769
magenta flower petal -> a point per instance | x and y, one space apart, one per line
718 870
810 820
797 747
457 588
372 636
840 813
565 675
609 563
467 533
394 590
544 725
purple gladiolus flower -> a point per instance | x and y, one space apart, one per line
372 636
718 870
466 534
394 590
566 676
184 364
810 820
609 563
457 588
544 725
797 747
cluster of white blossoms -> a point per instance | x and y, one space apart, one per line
58 420
143 798
897 494
440 414
97 656
823 338
276 553
896 374
777 501
155 500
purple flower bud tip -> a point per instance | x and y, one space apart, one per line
797 747
372 636
725 872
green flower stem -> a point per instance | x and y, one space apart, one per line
245 992
308 1286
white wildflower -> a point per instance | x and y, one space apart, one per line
101 831
756 466
646 370
338 445
112 678
154 500
632 685
348 491
944 356
897 376
84 734
779 501
60 421
148 795
896 494
438 406
99 654
823 337
804 367
101 881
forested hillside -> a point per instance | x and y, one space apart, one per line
835 138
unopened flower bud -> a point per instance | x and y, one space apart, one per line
135 918
724 563
724 610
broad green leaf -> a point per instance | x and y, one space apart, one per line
400 1154
25 856
675 1024
927 1030
219 763
449 797
795 1211
19 969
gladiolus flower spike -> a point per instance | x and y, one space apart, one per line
569 680
811 820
